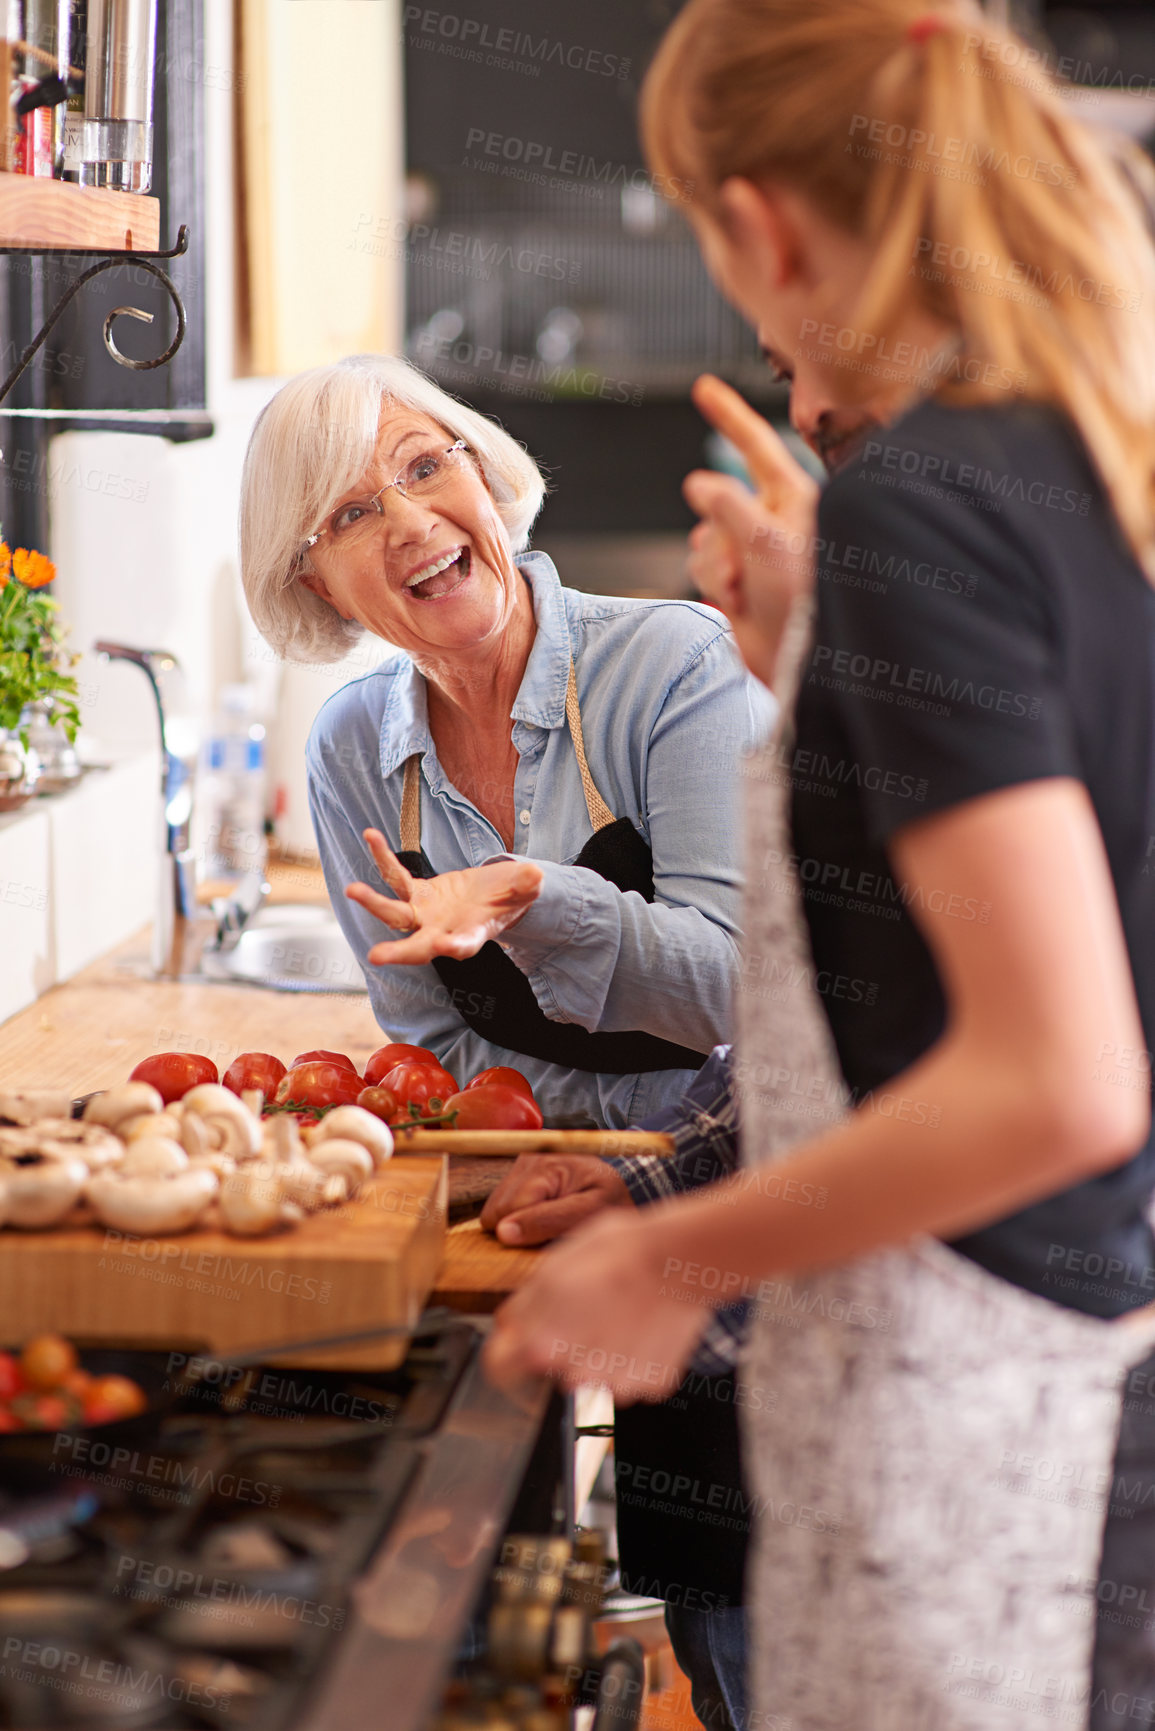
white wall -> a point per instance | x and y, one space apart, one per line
143 533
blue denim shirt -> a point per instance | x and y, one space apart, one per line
667 709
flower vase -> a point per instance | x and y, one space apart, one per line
19 771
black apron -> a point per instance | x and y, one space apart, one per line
489 991
693 1536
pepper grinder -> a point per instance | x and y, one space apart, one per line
119 66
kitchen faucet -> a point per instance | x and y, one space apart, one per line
178 921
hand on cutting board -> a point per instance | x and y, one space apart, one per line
546 1195
453 914
599 1309
752 554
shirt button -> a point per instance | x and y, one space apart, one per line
523 817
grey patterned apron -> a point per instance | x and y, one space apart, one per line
932 1479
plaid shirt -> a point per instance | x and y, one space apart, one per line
704 1125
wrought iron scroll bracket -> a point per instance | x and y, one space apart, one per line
109 261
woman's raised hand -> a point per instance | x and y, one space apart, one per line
752 554
450 915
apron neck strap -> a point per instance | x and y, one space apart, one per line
599 812
411 805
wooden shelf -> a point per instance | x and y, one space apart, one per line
55 215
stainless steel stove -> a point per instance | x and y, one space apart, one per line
268 1548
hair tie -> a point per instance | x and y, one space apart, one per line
929 25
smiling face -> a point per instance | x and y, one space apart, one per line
435 574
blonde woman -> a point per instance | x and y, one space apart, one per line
957 1234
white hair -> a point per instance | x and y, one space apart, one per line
310 444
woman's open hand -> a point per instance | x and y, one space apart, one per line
600 1309
450 915
752 554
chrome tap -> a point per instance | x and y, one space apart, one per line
179 926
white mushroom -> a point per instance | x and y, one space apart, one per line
253 1201
152 1205
231 1126
199 1144
91 1143
345 1158
115 1107
283 1154
281 1138
153 1157
309 1186
194 1136
40 1189
214 1161
164 1123
354 1124
28 1105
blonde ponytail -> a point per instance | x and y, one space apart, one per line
952 152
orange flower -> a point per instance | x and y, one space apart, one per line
32 569
5 563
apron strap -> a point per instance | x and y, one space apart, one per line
600 814
411 805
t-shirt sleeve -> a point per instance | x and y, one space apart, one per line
935 645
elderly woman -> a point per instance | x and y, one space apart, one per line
554 769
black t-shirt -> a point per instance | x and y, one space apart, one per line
980 623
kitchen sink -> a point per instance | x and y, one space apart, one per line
294 947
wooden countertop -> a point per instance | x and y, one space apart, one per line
91 1031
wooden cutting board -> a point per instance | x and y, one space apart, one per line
368 1263
478 1272
471 1181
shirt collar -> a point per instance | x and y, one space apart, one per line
541 696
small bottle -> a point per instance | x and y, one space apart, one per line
38 31
231 800
72 120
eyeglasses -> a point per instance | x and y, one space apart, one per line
353 523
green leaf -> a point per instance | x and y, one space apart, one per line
33 663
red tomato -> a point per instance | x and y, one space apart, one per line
320 1057
425 1085
8 1421
386 1057
11 1376
112 1397
492 1107
254 1070
318 1085
172 1074
47 1360
382 1102
504 1077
